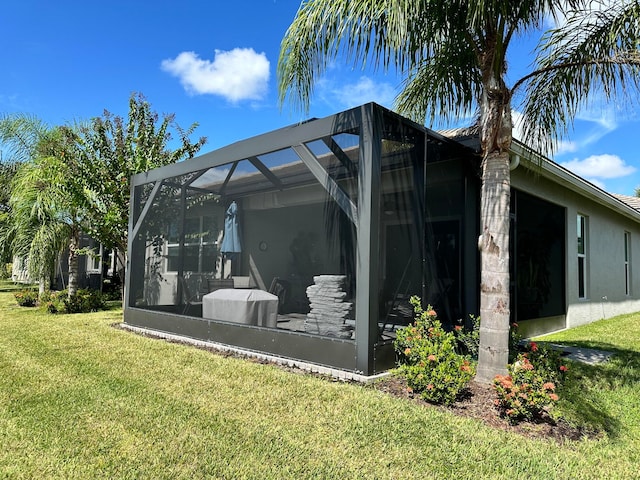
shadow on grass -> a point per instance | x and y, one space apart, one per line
9 286
592 392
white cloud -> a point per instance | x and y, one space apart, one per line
600 167
238 74
353 94
594 7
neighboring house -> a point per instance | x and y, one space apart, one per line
343 219
92 270
90 266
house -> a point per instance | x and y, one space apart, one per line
342 219
95 265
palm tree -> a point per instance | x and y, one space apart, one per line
48 207
454 56
23 138
38 235
45 201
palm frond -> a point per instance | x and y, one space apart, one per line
20 136
446 86
383 33
594 52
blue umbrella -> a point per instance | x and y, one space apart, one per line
231 239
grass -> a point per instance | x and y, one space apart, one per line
81 399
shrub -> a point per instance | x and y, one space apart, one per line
532 383
26 298
515 342
84 301
52 301
469 340
429 360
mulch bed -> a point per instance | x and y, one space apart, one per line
478 403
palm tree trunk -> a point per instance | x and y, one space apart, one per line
494 258
74 246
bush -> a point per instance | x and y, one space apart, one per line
429 360
515 342
532 383
26 298
52 301
469 340
84 301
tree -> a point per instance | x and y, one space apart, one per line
108 150
454 55
43 221
42 214
7 172
23 138
19 137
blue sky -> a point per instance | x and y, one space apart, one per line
214 63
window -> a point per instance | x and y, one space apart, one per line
200 246
93 256
93 262
627 265
582 256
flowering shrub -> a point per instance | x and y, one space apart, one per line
532 382
428 358
26 298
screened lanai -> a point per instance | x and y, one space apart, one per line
306 242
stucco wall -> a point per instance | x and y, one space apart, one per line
605 251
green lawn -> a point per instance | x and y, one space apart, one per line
81 399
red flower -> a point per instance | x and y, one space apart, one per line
458 328
533 346
431 358
563 368
407 351
549 386
430 386
553 397
432 313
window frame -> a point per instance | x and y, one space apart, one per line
627 263
582 255
93 261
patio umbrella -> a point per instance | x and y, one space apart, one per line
231 240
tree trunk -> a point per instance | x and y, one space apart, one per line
42 285
496 134
494 259
74 246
